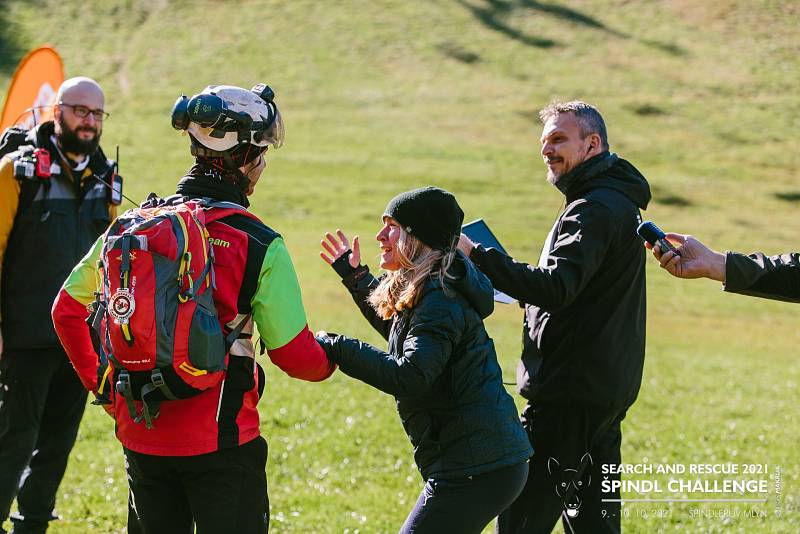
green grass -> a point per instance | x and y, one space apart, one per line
383 96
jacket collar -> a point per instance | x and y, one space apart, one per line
575 180
207 181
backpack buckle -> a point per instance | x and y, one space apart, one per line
123 387
157 378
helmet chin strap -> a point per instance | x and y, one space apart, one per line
242 181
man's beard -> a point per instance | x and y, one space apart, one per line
551 174
72 144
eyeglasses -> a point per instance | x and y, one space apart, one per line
83 112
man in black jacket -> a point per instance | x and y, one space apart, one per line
47 223
584 326
756 275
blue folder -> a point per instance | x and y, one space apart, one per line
478 231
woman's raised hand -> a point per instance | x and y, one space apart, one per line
333 248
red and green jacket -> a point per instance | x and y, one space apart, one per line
254 275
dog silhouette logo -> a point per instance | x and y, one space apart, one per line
571 481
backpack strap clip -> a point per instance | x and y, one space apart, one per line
150 408
123 387
94 320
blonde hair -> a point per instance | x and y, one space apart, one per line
400 290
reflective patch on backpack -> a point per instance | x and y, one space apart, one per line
121 306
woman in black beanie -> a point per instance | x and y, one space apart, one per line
441 365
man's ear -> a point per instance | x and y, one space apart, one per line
595 143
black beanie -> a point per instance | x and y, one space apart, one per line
430 214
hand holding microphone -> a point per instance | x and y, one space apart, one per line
654 236
692 259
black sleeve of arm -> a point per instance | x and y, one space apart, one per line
360 283
758 275
426 350
580 244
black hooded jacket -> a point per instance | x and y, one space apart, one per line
55 224
759 275
585 307
442 369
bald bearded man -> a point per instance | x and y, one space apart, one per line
47 224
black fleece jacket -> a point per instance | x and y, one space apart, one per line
442 369
585 308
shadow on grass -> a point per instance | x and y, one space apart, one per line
10 51
669 48
493 14
788 196
673 200
667 198
454 51
571 15
647 110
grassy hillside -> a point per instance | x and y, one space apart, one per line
383 96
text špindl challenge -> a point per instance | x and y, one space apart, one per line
686 478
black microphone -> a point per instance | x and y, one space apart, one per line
653 235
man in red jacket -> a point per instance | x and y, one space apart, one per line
203 462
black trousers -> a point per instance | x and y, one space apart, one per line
220 492
39 421
570 444
464 505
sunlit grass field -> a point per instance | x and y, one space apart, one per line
383 96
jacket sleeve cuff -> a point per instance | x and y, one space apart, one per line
303 358
478 254
327 342
342 265
741 271
356 277
484 258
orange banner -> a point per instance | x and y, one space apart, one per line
32 92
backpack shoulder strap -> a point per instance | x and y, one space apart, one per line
217 210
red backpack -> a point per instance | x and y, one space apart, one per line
154 317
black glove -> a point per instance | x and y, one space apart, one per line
342 265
